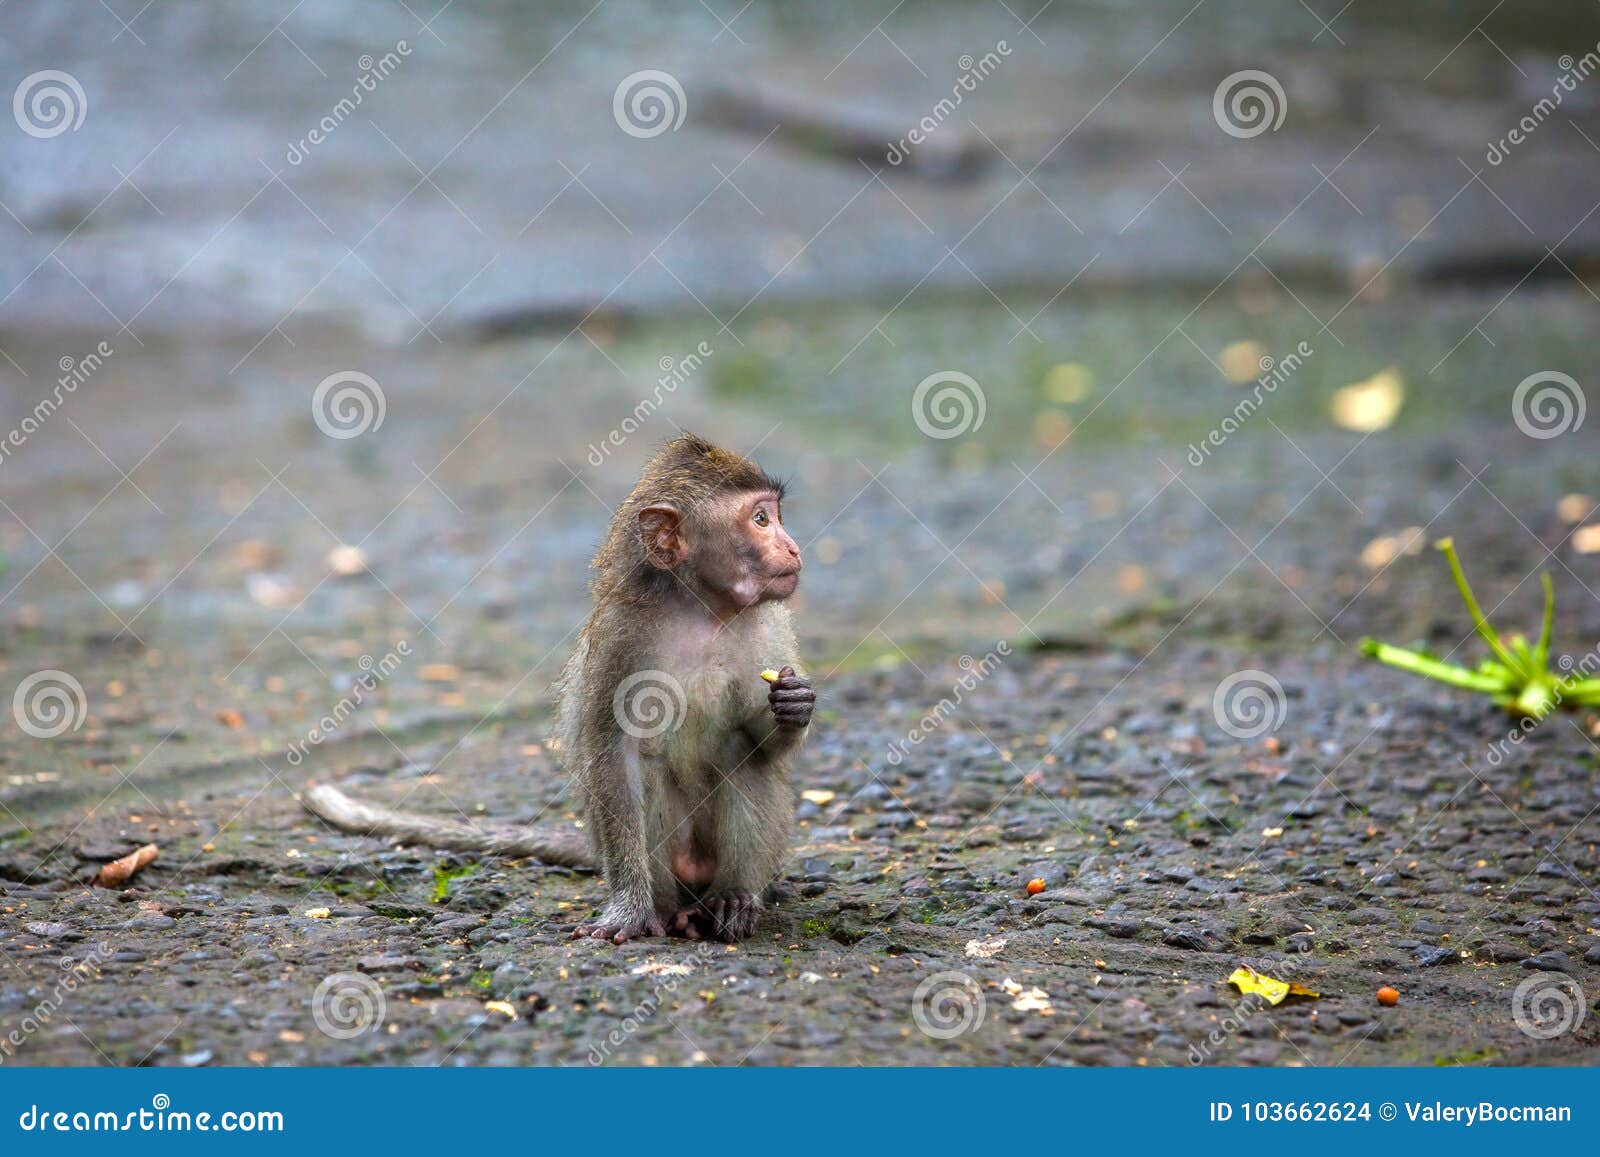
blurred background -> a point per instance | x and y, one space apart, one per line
331 325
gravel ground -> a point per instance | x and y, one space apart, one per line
1372 834
1351 847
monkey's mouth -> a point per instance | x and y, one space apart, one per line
784 581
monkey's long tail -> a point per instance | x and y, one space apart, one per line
566 849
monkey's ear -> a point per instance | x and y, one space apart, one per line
661 532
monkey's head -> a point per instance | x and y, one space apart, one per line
706 522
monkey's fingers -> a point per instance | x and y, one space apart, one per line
791 695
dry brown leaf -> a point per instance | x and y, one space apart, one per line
118 872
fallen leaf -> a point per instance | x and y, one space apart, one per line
818 796
439 673
347 561
118 872
230 719
1574 507
661 968
1027 999
1383 550
983 949
1242 361
1274 991
319 913
501 1007
272 590
1068 383
1372 405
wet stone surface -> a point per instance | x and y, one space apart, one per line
1345 850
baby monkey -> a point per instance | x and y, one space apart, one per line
682 751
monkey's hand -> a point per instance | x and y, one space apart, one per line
792 699
619 926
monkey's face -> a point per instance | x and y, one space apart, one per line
734 553
749 557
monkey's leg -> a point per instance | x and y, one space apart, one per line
619 803
752 812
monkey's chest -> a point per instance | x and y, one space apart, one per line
710 736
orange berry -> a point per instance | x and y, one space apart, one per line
1388 997
1035 886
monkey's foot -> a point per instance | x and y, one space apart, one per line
621 928
725 916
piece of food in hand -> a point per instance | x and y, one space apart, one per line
1035 886
1388 997
770 675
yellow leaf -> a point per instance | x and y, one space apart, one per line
318 913
1242 361
817 796
1068 383
501 1007
1274 991
1372 405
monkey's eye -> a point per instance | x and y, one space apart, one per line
761 517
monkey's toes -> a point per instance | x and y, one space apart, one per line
620 931
726 916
